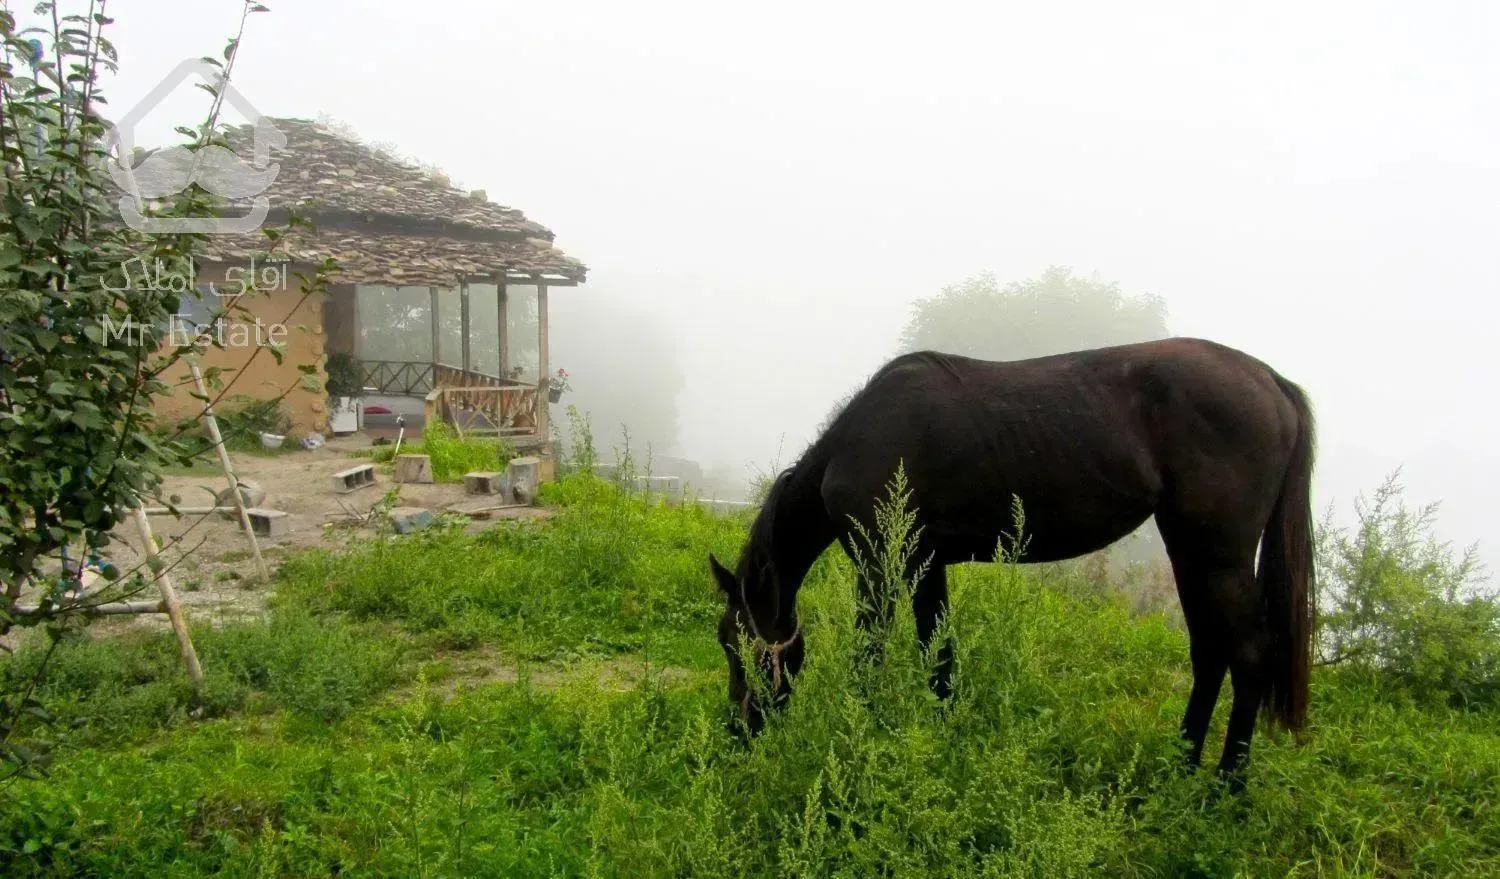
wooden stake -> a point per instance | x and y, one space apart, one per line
463 322
234 484
542 365
503 323
168 594
187 511
437 335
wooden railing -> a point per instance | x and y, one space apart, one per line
477 403
505 411
403 377
472 402
454 377
415 378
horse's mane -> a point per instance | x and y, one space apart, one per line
763 528
758 548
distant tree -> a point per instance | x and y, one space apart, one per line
1054 313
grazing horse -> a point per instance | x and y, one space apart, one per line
1211 441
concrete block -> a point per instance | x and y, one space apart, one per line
413 468
268 523
484 482
408 519
354 478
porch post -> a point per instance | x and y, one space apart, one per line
543 372
437 338
463 319
503 310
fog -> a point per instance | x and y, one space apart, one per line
773 185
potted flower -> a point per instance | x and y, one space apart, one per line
345 385
556 385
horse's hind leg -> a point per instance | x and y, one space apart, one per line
1226 629
1247 645
929 606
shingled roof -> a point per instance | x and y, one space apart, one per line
388 222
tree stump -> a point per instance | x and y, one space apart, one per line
413 468
250 491
484 482
524 476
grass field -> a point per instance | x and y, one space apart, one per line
548 700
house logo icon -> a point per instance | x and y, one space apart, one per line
214 168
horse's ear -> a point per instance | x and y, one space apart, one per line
722 576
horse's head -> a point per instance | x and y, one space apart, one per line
751 608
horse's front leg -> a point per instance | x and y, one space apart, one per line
929 607
872 619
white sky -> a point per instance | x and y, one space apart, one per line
1314 183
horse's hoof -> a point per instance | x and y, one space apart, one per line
1232 780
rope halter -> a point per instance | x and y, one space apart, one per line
765 647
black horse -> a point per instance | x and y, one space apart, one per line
1213 442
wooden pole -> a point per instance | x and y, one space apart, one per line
437 335
463 322
542 368
503 310
234 484
168 596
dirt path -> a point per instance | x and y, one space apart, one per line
210 559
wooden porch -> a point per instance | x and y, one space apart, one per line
474 402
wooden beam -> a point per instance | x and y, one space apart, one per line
528 280
437 337
463 322
114 608
503 323
228 468
543 370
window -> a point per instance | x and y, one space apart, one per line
192 312
198 310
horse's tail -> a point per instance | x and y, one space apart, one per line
1286 572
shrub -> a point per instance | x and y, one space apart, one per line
345 377
1397 603
452 457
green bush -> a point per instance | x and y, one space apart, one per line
451 457
1396 603
345 377
108 688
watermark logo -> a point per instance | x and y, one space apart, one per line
214 168
181 330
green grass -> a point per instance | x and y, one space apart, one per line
451 456
320 751
598 577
